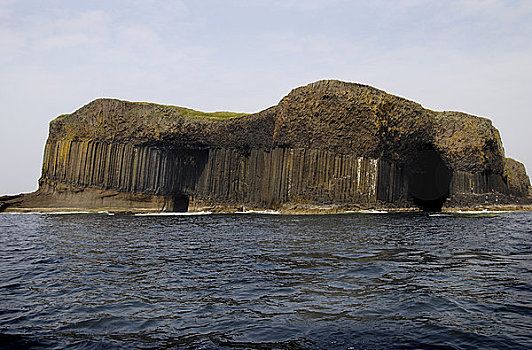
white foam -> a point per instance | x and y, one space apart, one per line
175 213
271 212
105 212
22 213
372 211
66 212
485 211
69 212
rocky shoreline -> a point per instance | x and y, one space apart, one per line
282 211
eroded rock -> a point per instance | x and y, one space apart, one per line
329 143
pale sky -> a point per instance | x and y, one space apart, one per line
473 56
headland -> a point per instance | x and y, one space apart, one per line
329 146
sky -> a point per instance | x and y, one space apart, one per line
473 56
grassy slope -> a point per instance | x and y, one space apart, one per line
188 112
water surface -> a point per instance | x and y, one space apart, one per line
266 281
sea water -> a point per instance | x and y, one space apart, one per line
209 281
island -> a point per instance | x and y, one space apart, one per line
329 146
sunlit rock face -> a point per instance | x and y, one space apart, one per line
329 143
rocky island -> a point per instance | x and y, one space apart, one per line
327 146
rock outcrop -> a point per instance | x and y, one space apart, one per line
518 181
329 143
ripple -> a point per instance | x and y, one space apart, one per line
399 280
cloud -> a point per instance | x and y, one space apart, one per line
88 21
89 28
502 11
307 4
176 9
11 41
98 37
5 7
68 40
156 14
4 12
11 44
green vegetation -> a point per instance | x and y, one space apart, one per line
62 116
168 110
187 112
191 113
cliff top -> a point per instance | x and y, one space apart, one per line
171 111
328 114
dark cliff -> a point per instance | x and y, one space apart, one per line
327 143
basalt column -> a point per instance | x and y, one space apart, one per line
272 178
326 144
153 176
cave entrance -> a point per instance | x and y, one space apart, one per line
179 203
428 180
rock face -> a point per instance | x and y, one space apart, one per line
518 181
329 143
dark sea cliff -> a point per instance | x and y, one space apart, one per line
349 281
328 143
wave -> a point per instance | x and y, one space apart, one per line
175 213
106 212
69 212
271 212
484 211
22 213
66 212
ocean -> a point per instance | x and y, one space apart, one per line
257 281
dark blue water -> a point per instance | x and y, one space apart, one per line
266 281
